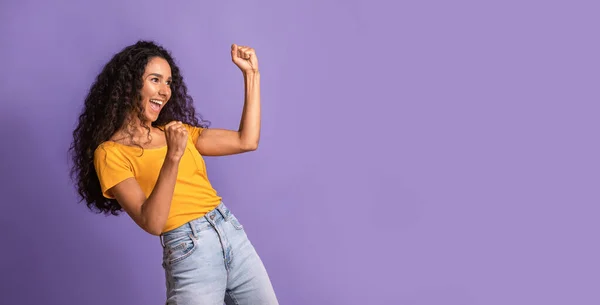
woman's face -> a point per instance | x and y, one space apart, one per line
156 89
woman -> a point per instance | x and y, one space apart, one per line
138 148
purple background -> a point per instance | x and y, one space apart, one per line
414 152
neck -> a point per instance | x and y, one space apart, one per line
134 127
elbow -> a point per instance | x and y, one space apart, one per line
248 141
151 222
154 228
252 146
156 231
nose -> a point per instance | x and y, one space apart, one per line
164 90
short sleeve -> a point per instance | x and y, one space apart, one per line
193 132
112 167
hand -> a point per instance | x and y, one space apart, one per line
177 136
244 58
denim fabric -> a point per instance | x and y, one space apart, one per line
210 261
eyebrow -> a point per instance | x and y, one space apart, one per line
158 75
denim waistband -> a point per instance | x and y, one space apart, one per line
219 213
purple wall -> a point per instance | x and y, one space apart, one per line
422 152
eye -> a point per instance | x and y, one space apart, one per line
169 83
154 79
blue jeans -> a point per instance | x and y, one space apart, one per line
210 260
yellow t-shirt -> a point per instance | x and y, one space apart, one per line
193 196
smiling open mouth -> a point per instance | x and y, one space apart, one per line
155 105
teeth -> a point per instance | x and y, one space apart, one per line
157 102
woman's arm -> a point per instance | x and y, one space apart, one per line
151 213
221 142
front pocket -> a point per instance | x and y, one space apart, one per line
179 249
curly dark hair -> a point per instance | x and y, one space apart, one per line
111 100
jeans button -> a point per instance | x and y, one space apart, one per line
212 216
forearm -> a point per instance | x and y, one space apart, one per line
155 209
249 129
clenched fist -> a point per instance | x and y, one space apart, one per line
177 136
245 58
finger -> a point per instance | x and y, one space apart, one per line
170 125
242 48
182 134
245 55
173 126
176 126
181 128
177 129
234 50
249 52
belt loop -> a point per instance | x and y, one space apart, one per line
162 241
193 229
223 210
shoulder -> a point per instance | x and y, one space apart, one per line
189 127
111 156
109 150
192 128
104 147
193 131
